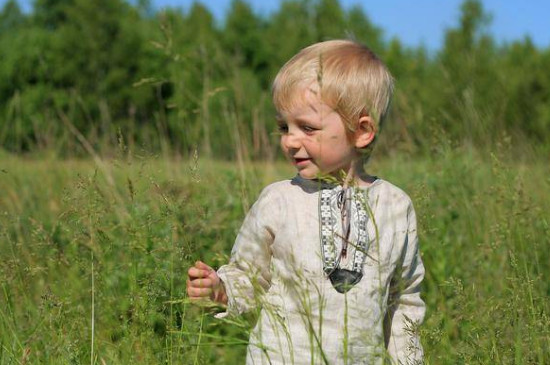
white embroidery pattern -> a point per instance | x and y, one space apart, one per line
331 240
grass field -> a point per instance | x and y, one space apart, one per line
93 256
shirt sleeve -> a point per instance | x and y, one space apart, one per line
247 275
405 308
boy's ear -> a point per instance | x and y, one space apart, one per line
365 132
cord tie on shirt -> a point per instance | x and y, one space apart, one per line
347 204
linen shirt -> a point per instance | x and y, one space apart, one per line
277 264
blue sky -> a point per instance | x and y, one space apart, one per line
417 22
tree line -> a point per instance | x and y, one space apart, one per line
80 74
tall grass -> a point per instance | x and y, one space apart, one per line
94 252
133 225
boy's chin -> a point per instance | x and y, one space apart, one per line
319 175
309 175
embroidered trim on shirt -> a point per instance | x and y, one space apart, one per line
331 234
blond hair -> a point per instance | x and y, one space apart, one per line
351 79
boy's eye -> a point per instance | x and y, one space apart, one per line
282 128
308 129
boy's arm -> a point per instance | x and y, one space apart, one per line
248 274
405 308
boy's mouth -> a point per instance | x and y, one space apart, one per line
298 161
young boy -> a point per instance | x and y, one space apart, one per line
331 256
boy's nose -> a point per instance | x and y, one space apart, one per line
290 141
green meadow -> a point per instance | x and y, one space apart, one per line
94 256
133 142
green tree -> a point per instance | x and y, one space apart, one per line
360 28
22 74
289 29
242 33
526 90
97 57
467 86
11 17
50 14
330 20
181 80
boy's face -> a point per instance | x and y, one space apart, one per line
314 138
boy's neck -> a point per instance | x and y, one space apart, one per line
357 176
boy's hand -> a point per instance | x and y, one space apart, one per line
204 283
